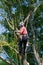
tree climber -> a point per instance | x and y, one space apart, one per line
23 37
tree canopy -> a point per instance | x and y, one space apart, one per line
12 13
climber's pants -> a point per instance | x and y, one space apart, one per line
22 45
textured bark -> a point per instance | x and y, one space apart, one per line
25 62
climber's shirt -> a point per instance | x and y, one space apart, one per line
23 30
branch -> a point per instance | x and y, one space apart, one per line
34 45
3 43
10 3
34 38
10 59
5 60
9 24
13 49
37 55
27 18
36 8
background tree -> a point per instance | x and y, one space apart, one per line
16 11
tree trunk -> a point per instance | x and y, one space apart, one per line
34 42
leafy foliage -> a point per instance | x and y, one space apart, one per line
16 11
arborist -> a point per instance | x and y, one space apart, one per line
23 37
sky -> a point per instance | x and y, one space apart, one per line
2 29
3 55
